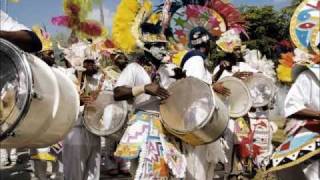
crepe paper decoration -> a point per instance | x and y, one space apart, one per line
305 26
44 37
188 17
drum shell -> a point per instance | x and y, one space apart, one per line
94 114
209 130
44 124
240 101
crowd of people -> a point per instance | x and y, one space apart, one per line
147 150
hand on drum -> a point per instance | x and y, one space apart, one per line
155 89
219 88
242 75
86 100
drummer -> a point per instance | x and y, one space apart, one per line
144 139
201 167
298 156
18 34
81 149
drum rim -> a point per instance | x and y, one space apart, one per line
245 86
104 133
201 125
22 56
270 82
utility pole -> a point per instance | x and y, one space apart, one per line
101 12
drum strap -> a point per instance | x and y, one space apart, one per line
191 54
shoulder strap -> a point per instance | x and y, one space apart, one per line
189 55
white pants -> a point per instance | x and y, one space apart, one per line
81 155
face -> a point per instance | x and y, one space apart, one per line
237 52
48 57
91 68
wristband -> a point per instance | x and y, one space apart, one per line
137 90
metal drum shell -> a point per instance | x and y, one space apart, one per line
238 107
262 79
209 130
42 109
94 114
67 112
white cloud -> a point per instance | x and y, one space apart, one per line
108 16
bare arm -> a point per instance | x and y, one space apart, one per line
122 93
154 89
26 40
306 114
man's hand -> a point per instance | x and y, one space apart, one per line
178 73
155 89
219 88
243 75
86 100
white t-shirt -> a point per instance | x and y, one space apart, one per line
304 93
9 24
195 67
135 75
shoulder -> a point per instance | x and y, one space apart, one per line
9 24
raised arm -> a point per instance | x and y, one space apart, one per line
24 39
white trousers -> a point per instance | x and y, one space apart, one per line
81 155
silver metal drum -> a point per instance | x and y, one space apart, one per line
262 89
33 100
193 112
106 117
239 101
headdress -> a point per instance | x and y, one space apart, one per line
229 40
44 38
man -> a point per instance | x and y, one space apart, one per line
201 159
81 148
144 138
18 34
298 156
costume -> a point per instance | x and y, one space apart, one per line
145 142
201 159
81 148
294 155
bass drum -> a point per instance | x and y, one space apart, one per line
106 117
239 101
33 101
193 112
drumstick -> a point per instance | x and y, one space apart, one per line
219 73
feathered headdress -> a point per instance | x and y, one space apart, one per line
260 63
284 69
229 40
44 37
75 18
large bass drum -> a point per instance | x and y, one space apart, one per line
38 104
239 101
193 112
106 117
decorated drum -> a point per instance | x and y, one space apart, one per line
193 112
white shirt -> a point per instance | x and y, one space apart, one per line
135 75
195 67
304 93
9 24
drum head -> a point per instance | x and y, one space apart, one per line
15 87
105 116
239 101
261 88
189 107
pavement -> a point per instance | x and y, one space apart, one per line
22 170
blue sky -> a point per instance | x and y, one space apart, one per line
30 12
